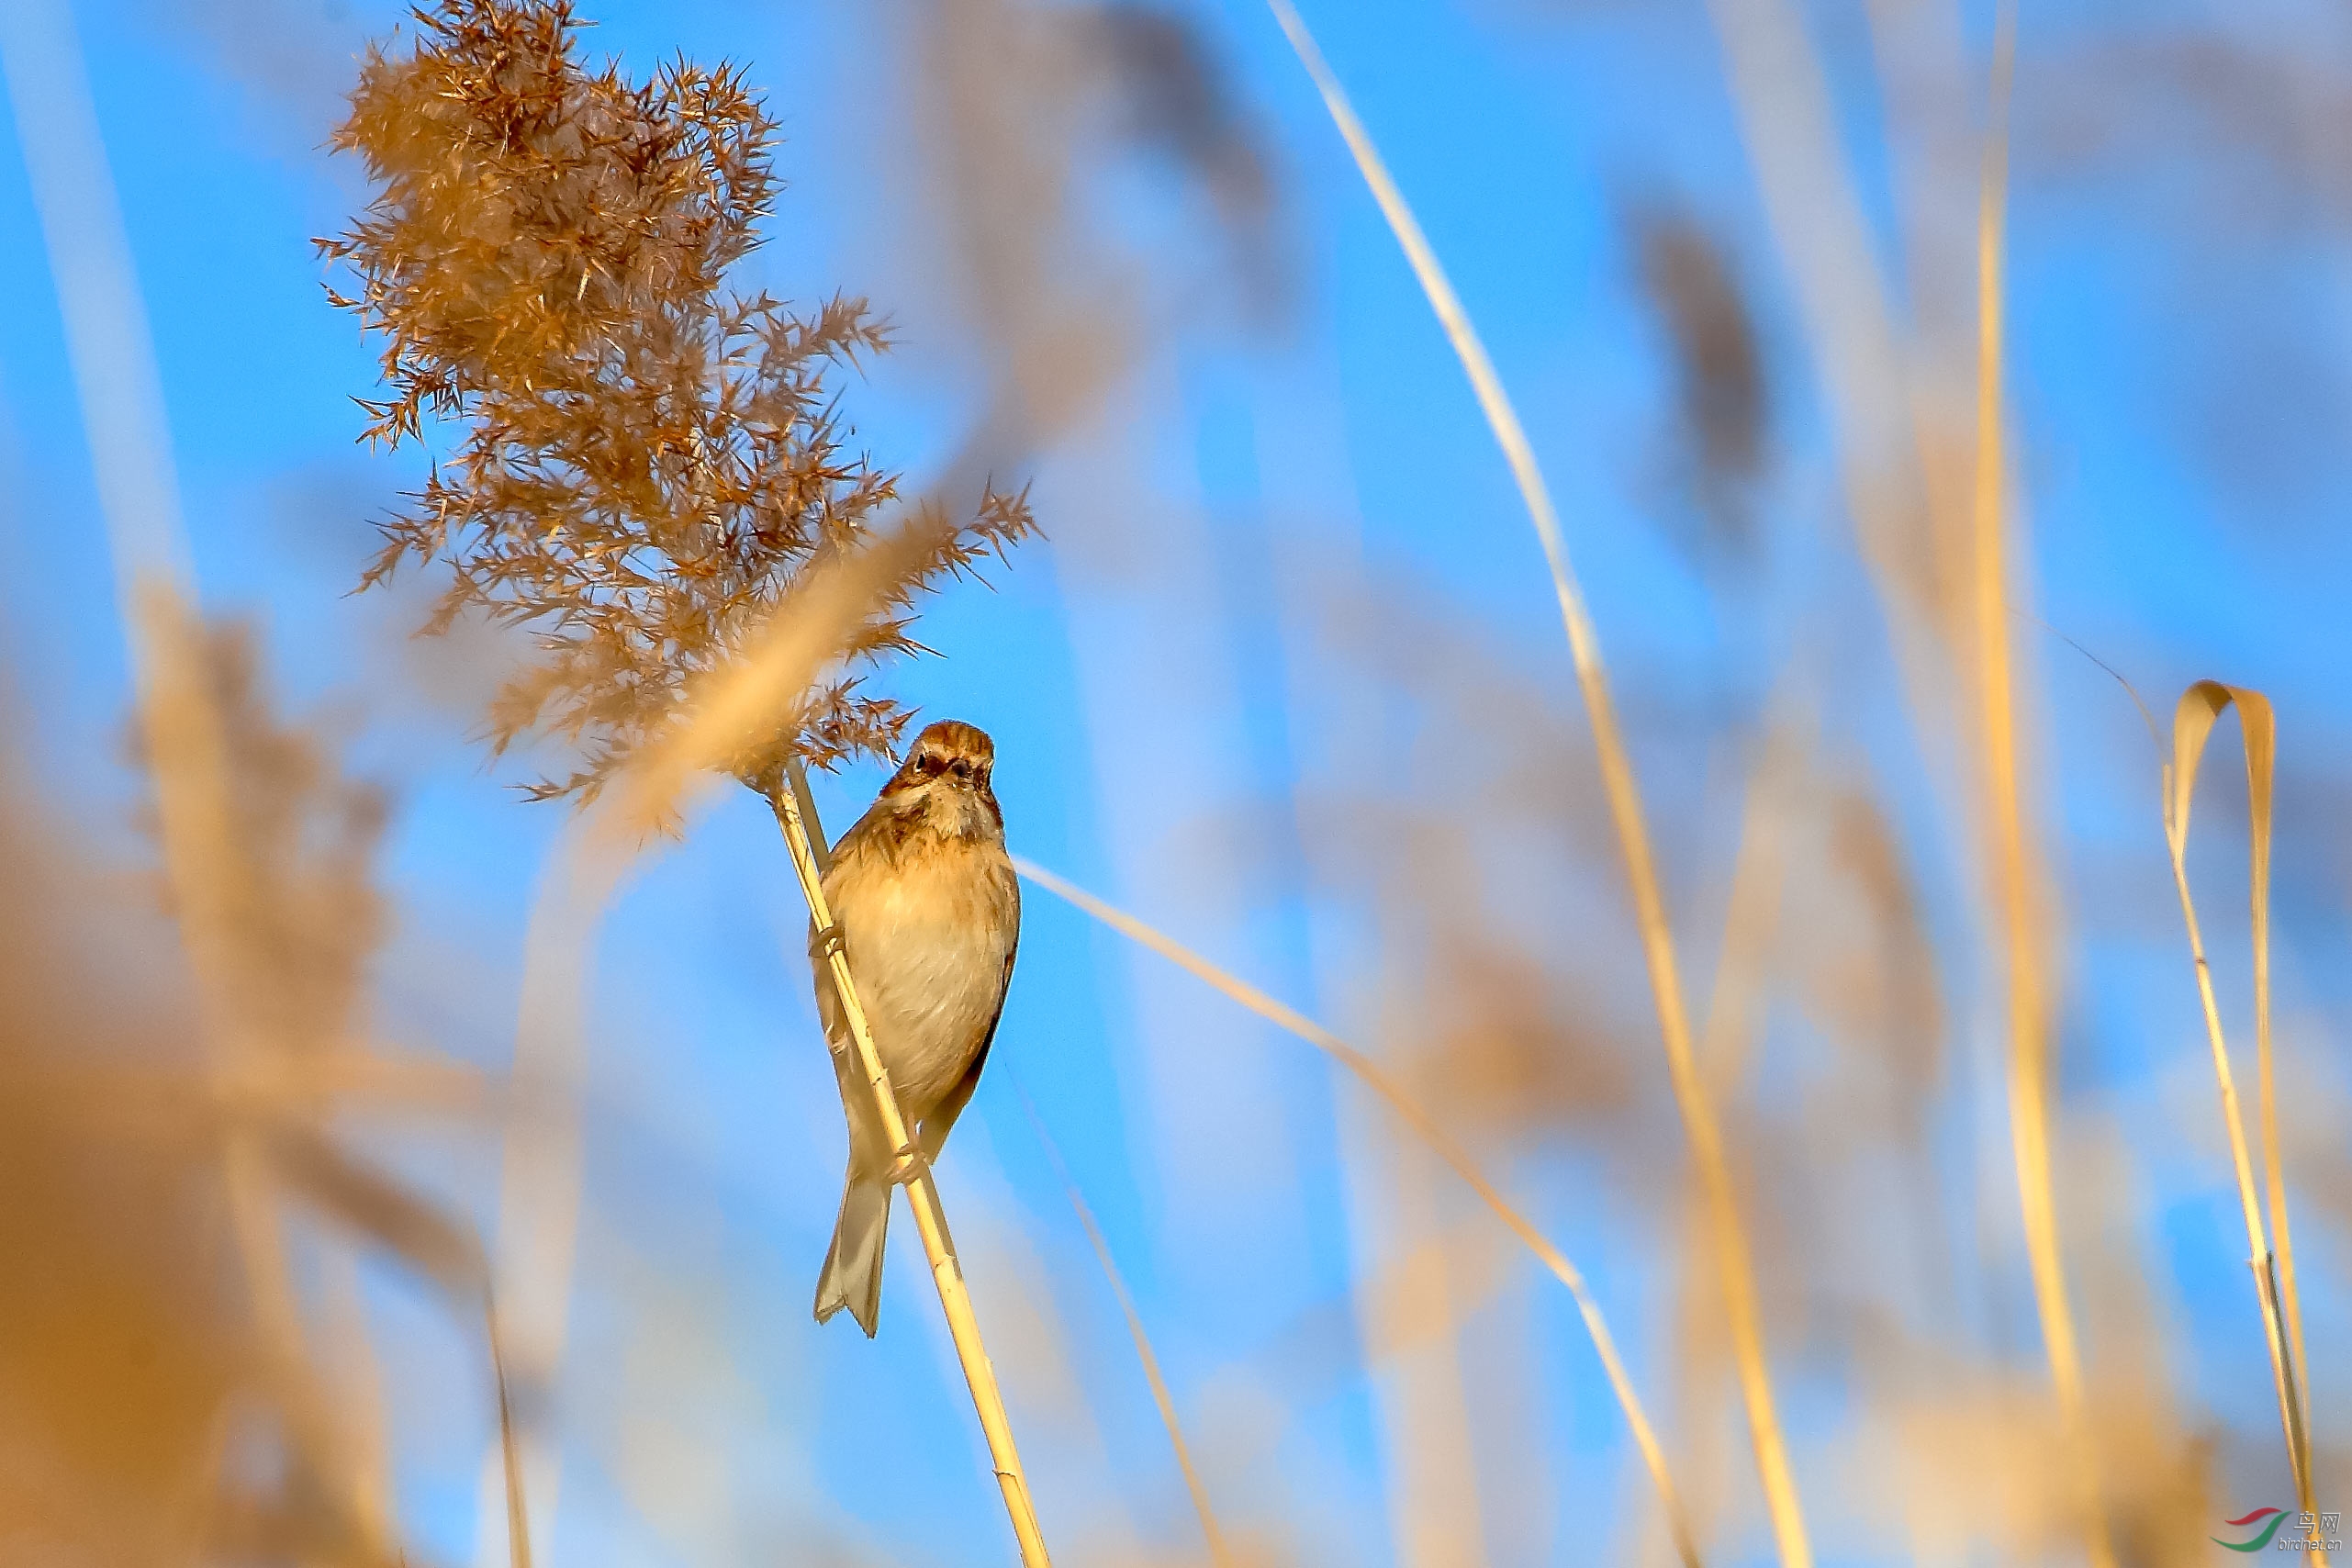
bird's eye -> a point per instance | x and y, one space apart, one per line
963 769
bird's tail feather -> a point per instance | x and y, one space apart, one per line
853 1264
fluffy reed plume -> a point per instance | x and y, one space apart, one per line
648 458
266 850
1722 393
1171 99
650 466
1025 104
302 932
308 909
140 1382
125 1356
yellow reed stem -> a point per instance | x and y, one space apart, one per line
540 1185
1624 807
2274 1176
921 1194
2192 722
2028 1056
1440 1141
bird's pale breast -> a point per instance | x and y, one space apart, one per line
927 933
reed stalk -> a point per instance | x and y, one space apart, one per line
2012 857
1690 1088
1220 1556
510 1443
601 333
1440 1141
795 812
1751 912
1792 132
2192 722
782 655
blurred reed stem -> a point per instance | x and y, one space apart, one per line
795 811
112 353
350 1351
1409 1309
2016 864
1218 1553
1889 461
510 1443
1439 1140
1691 1096
1751 912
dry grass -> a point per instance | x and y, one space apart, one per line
1440 1141
2192 726
2017 871
1220 1556
1727 1233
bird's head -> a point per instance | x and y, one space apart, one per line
946 779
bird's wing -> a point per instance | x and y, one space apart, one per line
936 1125
865 1138
847 850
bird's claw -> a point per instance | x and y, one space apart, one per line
909 1163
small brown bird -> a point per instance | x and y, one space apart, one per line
929 911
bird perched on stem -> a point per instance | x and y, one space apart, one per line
929 912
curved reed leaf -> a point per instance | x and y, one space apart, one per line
2200 707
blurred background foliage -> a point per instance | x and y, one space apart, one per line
1286 678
